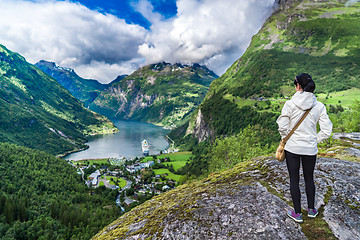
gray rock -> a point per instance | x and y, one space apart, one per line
352 152
342 180
246 203
256 214
351 136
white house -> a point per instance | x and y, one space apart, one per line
166 187
94 177
149 163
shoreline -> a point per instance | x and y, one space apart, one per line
62 155
167 148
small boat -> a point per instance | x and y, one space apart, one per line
145 147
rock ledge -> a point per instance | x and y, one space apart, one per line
247 202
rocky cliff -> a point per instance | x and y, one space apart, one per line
163 93
249 201
320 37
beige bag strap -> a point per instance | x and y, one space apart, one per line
284 140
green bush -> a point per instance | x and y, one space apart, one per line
229 151
347 120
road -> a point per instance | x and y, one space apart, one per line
128 184
82 174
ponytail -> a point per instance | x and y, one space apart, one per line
306 82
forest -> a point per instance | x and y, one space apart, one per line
42 197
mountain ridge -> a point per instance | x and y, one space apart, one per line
162 93
86 90
318 37
37 112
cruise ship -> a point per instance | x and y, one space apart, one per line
145 147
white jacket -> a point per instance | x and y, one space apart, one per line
305 138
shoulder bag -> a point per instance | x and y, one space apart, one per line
280 152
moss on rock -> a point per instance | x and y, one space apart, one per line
248 201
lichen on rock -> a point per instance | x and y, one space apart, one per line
248 201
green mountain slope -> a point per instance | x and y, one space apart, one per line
161 93
42 197
318 37
37 112
86 90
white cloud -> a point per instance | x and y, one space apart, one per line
99 46
147 10
211 32
70 35
350 2
107 71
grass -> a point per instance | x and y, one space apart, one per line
269 105
112 179
178 159
178 156
169 176
147 159
346 98
122 183
176 164
92 161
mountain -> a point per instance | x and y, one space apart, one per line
86 90
248 201
37 112
162 93
314 36
116 80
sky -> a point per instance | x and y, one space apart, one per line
101 39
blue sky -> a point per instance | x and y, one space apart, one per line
101 39
124 9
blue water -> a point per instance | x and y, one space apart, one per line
125 143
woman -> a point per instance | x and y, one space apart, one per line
302 145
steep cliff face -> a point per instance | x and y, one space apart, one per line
200 129
248 202
161 93
314 36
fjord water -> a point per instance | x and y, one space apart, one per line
126 143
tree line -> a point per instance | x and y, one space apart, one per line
42 197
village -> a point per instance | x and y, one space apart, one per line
137 179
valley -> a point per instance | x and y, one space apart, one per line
136 180
72 166
163 94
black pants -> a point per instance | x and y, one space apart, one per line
293 165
